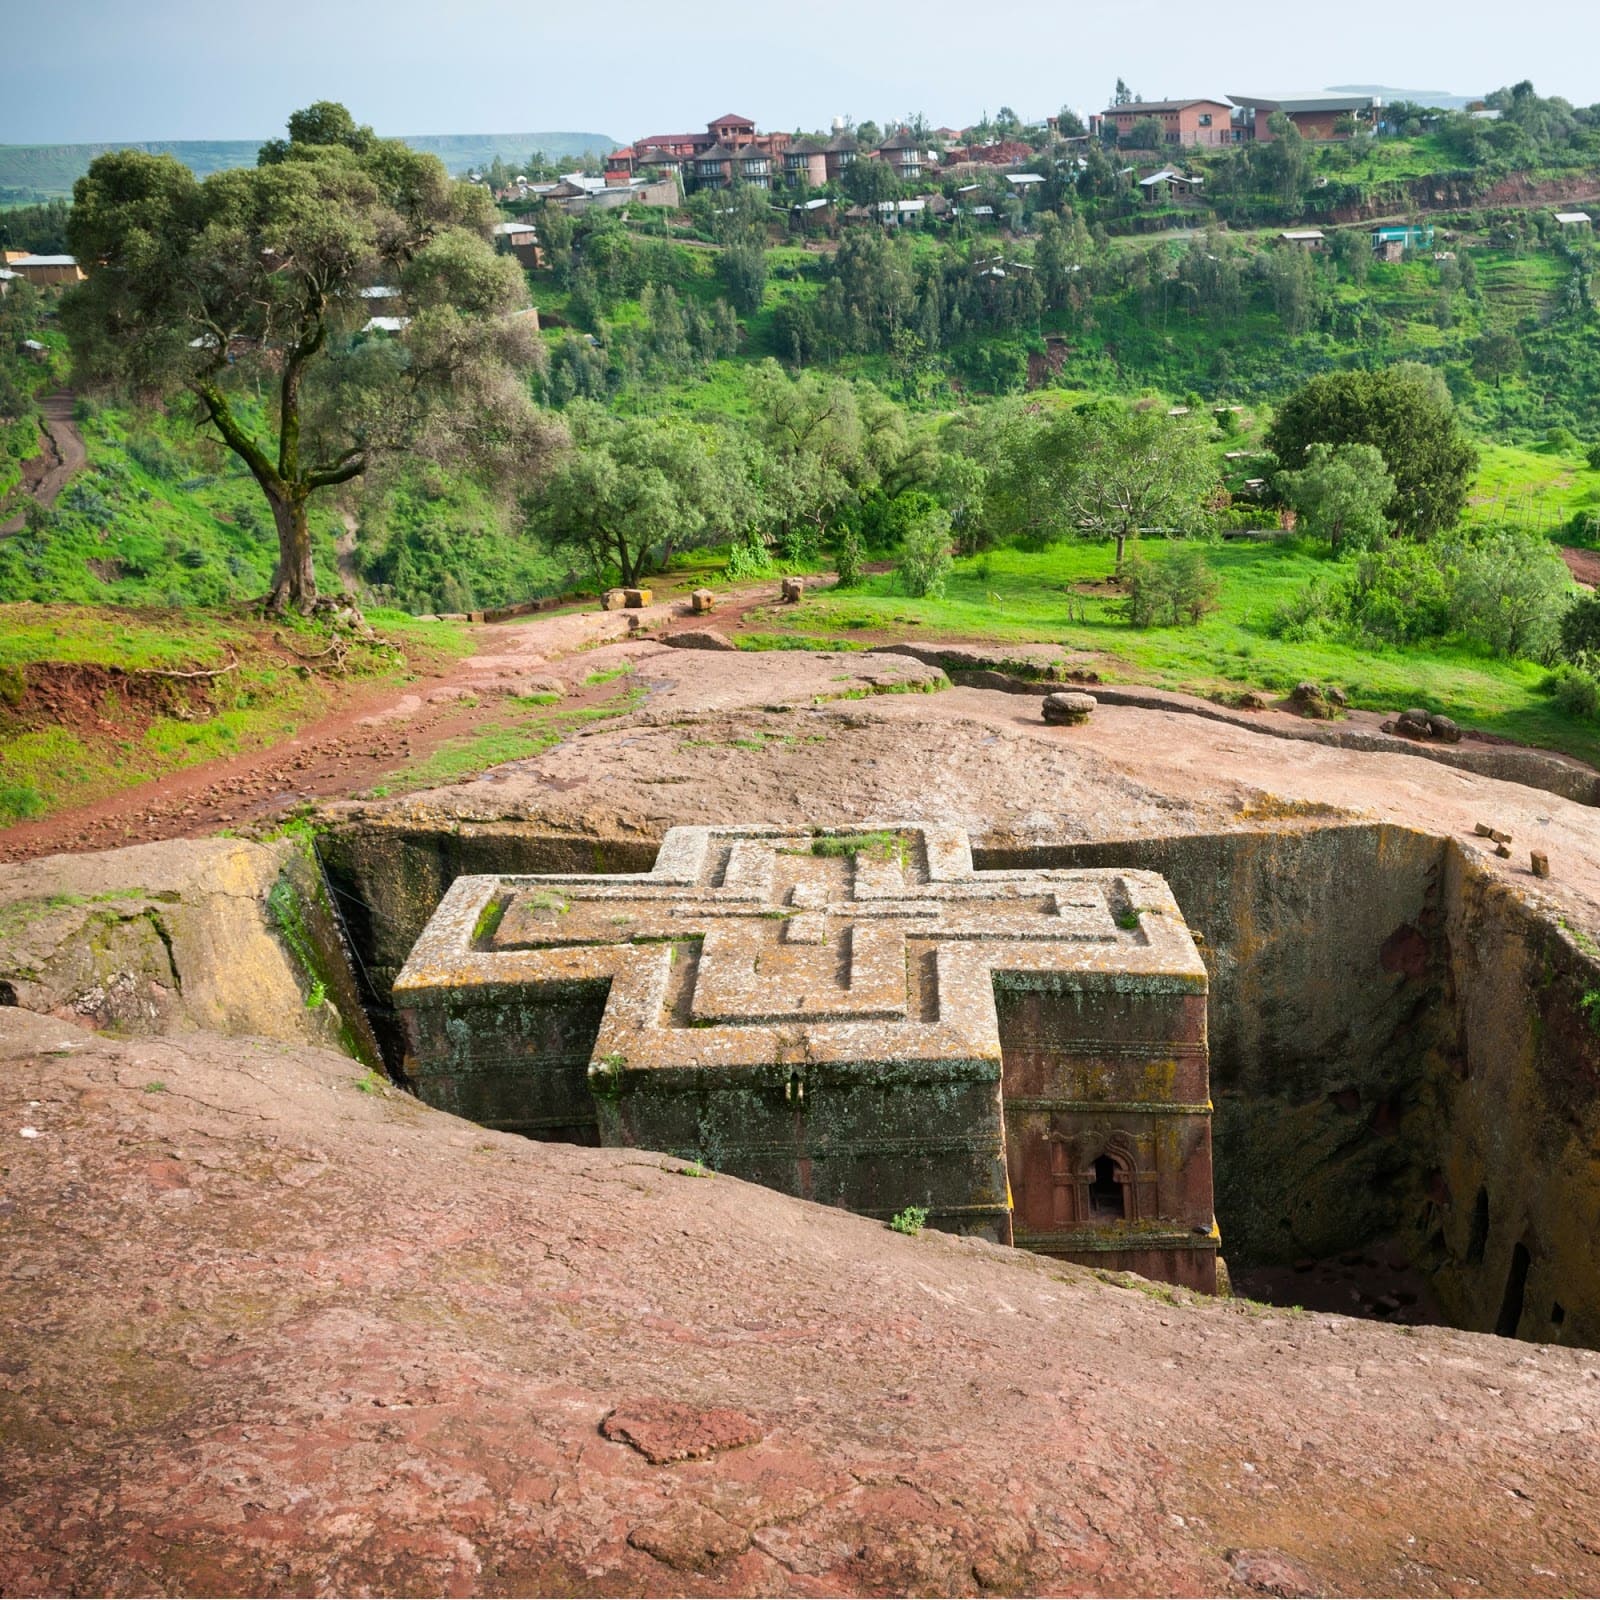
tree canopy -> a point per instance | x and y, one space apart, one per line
1406 413
252 280
1340 494
1103 471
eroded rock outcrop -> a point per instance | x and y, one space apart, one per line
221 934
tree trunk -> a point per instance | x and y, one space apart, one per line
294 584
1122 544
627 568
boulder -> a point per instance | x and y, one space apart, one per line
1255 700
163 938
699 639
541 683
613 600
792 590
1337 695
1443 729
1412 724
1069 706
1308 699
702 601
1539 863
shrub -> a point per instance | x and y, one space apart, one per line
1593 457
798 546
925 555
1580 630
157 457
748 557
1575 691
1315 613
1180 589
1398 595
1561 441
849 558
1510 591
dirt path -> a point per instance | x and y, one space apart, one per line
1584 565
377 732
64 455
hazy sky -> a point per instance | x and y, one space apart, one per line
82 70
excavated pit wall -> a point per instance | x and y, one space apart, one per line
1400 1047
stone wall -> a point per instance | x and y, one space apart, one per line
1395 1033
1510 1222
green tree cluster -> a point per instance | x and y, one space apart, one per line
1405 412
253 277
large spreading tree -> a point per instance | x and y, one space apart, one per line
1404 412
1103 471
244 292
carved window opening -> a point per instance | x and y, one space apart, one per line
1108 1190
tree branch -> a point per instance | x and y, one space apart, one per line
236 438
351 465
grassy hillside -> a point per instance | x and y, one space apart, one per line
34 172
1060 596
161 517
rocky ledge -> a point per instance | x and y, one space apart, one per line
272 1327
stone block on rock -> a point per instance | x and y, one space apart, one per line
637 599
792 591
563 1007
613 600
702 601
1069 706
1539 863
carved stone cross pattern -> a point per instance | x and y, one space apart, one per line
816 1010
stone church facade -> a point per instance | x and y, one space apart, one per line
861 1019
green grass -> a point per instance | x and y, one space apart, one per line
525 729
1532 488
1016 596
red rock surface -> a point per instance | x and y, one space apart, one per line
268 1327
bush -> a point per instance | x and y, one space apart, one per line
1576 692
157 457
748 557
849 558
1580 630
1593 457
1510 591
1315 613
1180 589
925 555
1561 441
